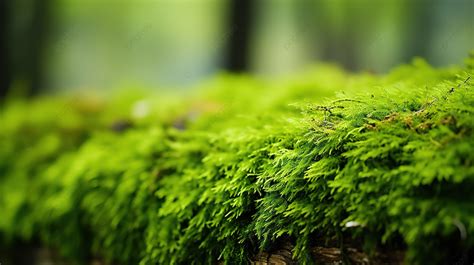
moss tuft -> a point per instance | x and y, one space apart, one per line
247 166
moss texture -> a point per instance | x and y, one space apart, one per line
244 165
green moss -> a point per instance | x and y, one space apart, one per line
245 164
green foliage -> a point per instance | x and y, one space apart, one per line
232 171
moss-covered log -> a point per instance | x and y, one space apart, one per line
249 171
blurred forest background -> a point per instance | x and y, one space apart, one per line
66 45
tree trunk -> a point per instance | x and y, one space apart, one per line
238 41
5 75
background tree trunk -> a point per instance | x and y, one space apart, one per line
239 34
38 34
5 76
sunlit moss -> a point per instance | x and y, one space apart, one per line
229 172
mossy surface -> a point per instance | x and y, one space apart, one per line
243 165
